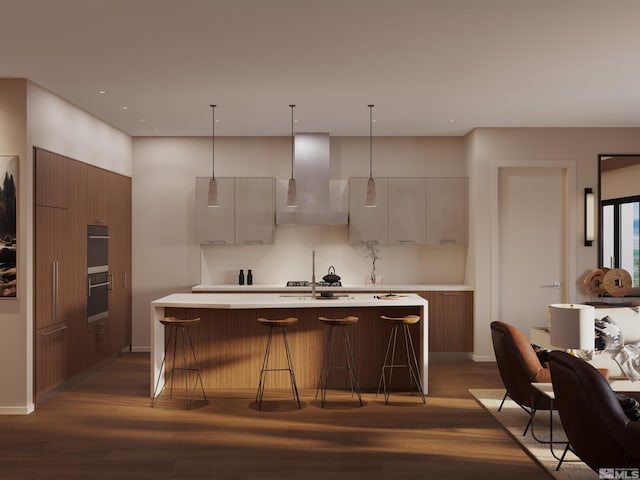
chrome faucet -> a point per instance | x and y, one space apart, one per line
313 274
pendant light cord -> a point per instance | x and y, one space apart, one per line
292 140
213 141
371 141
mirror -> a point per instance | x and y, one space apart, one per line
619 213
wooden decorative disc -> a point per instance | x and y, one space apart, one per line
617 282
593 282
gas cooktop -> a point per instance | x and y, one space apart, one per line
305 283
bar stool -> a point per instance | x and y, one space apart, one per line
341 323
178 327
414 370
282 324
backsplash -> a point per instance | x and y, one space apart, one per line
289 258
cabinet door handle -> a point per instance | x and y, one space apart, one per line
124 279
253 242
110 281
51 332
445 241
450 294
406 242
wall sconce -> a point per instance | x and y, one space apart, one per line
589 217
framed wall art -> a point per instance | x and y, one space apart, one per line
8 230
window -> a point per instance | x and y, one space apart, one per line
620 237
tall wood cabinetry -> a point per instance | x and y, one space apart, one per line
64 200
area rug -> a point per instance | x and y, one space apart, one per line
514 420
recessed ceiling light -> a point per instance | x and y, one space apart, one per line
217 120
125 107
452 121
102 92
143 120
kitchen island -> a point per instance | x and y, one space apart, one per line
230 343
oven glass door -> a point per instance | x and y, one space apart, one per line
98 297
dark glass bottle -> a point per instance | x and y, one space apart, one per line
249 277
241 278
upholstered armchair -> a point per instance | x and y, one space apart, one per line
519 366
597 428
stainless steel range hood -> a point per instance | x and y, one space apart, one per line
321 201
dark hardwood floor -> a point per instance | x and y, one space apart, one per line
101 426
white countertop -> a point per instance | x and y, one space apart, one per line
349 288
272 300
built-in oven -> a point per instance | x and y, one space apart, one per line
97 248
98 277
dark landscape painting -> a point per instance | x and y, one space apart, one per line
8 193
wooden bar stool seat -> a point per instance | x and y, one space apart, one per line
412 361
323 381
282 324
180 328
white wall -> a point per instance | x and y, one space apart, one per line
168 259
489 147
58 126
31 116
16 340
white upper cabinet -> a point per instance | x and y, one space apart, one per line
447 207
245 215
254 211
407 211
215 225
368 223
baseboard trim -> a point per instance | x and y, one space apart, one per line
141 349
483 358
26 410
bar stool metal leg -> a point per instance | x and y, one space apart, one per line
180 328
164 359
265 362
326 367
351 366
292 376
412 360
413 369
263 370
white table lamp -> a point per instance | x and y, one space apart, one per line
572 326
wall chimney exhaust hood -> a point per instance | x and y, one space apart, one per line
321 201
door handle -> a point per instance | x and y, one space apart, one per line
552 285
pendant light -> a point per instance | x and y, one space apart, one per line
213 185
371 184
292 194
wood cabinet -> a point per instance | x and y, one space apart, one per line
447 207
53 175
97 201
245 214
98 341
69 195
450 320
119 221
368 224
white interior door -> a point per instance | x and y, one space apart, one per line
532 251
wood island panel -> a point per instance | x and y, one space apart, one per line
230 345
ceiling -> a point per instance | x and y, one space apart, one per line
431 67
